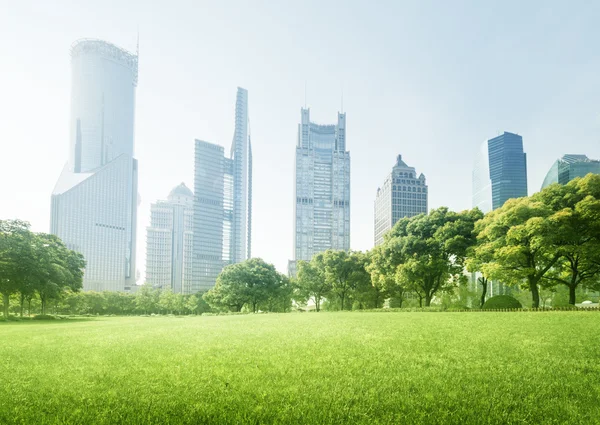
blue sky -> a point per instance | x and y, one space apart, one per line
426 79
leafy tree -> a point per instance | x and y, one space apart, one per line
515 244
425 254
15 257
166 300
575 232
253 283
343 271
146 299
179 303
311 282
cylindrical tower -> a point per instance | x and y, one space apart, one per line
103 82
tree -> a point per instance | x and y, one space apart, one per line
15 257
166 300
146 298
575 235
311 282
515 244
253 283
179 303
426 254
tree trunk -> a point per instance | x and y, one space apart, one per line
420 301
535 293
572 289
6 299
43 300
342 298
318 304
484 285
29 307
428 300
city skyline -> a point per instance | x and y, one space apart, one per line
394 90
570 166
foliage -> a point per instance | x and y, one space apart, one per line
502 302
252 283
425 254
36 263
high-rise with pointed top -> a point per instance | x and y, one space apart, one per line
222 201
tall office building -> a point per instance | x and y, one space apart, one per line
569 167
169 242
500 172
403 194
94 202
222 201
322 190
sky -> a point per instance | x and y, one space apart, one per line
430 80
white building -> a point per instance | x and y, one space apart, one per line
322 189
223 201
169 242
403 194
94 202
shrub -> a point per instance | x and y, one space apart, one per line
501 302
44 317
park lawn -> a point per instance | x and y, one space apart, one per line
321 368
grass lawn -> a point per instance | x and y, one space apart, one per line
371 368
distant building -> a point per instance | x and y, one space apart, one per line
169 242
322 188
500 172
569 167
402 194
222 202
94 202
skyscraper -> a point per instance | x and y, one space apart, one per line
403 194
570 166
169 242
222 201
94 202
500 172
322 190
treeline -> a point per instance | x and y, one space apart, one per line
147 300
539 243
35 266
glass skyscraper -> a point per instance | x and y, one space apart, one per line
322 190
222 202
403 194
569 167
169 242
94 202
500 172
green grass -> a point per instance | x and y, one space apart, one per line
371 368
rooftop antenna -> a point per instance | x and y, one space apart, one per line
304 94
342 100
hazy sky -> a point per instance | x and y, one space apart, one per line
426 79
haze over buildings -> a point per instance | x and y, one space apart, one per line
94 202
322 188
499 172
569 167
402 194
222 201
169 242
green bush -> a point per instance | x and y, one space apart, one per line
501 302
44 317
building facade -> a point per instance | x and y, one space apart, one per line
94 202
322 189
569 167
222 201
402 194
169 242
500 172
